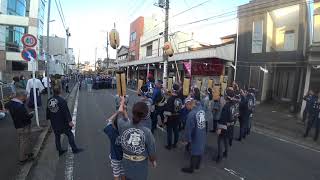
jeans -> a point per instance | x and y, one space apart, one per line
158 111
89 86
70 136
172 127
222 137
230 133
243 120
305 115
195 162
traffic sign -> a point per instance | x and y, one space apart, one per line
29 40
26 53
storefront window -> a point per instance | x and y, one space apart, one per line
13 38
17 7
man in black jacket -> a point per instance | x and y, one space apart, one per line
22 122
172 110
61 121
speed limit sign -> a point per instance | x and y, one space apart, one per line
29 40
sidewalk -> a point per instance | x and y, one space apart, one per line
276 120
9 165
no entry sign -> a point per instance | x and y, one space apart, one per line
26 53
29 40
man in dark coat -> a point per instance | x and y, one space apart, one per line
22 122
61 121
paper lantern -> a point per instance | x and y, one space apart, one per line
140 84
167 49
114 39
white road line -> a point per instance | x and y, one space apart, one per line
68 173
234 173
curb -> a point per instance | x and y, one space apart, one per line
25 169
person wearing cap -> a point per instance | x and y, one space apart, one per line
172 110
158 100
137 142
195 133
223 125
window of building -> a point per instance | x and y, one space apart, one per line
13 38
257 36
316 22
149 50
133 36
19 66
289 41
17 7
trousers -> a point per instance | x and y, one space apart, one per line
172 128
24 142
70 136
222 138
313 121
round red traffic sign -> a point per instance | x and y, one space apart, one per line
27 53
29 40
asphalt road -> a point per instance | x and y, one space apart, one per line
260 157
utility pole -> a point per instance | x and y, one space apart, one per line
166 38
67 60
95 60
108 50
48 55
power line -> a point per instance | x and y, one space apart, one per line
182 12
62 20
251 8
62 12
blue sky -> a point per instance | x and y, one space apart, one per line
90 19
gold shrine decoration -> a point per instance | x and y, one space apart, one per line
167 49
121 84
186 86
114 39
210 83
140 84
170 84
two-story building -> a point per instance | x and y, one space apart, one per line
123 54
273 36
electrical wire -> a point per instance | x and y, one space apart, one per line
64 19
251 8
61 18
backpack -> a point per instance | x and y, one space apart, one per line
177 105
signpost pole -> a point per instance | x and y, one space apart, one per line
33 63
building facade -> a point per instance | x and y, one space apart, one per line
273 38
18 17
123 54
136 31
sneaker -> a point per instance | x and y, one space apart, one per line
225 154
239 139
77 151
213 131
62 152
168 147
187 170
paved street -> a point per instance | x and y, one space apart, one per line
258 158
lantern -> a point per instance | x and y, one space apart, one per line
114 39
167 49
210 83
170 84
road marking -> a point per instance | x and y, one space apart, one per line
284 140
234 173
70 156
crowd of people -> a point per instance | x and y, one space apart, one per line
99 81
21 105
132 141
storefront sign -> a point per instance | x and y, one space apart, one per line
212 67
